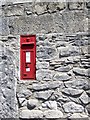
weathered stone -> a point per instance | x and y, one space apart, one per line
78 116
84 98
61 77
88 108
78 83
72 107
42 65
48 85
26 114
32 103
24 93
60 5
80 71
72 92
64 52
46 52
50 104
51 7
53 114
40 9
74 51
63 69
76 5
43 94
43 75
16 10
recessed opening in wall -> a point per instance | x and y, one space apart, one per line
28 57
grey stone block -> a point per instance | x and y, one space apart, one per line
61 77
79 116
78 83
44 74
27 114
84 98
43 94
71 107
72 92
32 103
53 114
47 85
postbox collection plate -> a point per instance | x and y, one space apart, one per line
27 57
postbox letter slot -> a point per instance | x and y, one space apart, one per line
28 43
28 57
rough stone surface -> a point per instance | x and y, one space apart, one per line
78 83
73 107
44 75
80 71
62 84
72 92
61 77
53 114
43 95
32 103
48 85
31 114
50 104
79 116
84 98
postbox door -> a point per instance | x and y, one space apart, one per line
28 65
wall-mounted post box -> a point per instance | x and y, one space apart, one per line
28 57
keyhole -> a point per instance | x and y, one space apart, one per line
27 40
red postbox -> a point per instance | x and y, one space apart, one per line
28 57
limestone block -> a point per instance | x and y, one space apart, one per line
43 94
78 83
64 52
61 77
72 92
24 93
46 52
26 114
72 107
42 65
40 9
81 71
53 114
43 75
84 98
51 7
78 116
63 68
74 50
14 10
32 103
50 104
47 85
76 5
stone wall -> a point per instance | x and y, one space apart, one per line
62 86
